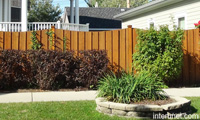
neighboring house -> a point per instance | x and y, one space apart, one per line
99 19
10 10
184 13
13 17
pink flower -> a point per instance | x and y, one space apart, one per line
199 22
196 24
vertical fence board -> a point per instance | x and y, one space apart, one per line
197 55
44 39
102 40
59 39
7 40
130 48
88 41
81 41
185 60
67 34
1 40
22 41
191 56
116 49
28 42
15 40
123 49
95 40
109 45
74 41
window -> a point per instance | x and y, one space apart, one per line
151 23
181 22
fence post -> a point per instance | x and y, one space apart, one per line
88 28
59 25
130 48
53 37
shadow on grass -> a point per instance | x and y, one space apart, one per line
193 109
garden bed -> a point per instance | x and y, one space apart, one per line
180 105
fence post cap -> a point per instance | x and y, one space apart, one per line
129 26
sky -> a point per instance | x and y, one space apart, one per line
66 3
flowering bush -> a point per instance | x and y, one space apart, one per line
197 25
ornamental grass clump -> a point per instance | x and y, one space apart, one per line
130 89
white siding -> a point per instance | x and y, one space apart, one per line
161 16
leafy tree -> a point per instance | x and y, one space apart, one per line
43 11
115 3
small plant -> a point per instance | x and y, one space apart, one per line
35 43
127 88
197 25
64 43
51 38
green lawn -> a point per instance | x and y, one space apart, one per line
80 110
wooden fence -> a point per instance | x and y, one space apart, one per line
119 44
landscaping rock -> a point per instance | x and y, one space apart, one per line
119 112
105 110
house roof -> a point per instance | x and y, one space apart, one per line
105 13
145 8
99 17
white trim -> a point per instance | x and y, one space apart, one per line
9 10
24 12
151 20
102 29
1 11
180 15
6 11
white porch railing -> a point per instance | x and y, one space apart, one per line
17 26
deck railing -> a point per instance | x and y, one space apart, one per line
31 26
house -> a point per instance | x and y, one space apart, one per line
182 13
99 19
13 17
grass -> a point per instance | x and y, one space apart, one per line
77 110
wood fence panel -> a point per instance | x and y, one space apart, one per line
44 39
59 40
22 41
1 40
109 46
102 40
8 41
197 55
123 49
116 49
15 40
95 40
67 34
88 41
28 42
81 41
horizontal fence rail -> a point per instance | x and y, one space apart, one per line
34 26
119 44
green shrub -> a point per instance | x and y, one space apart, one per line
159 52
127 88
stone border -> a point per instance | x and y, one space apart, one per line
182 105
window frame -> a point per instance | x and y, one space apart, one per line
178 16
